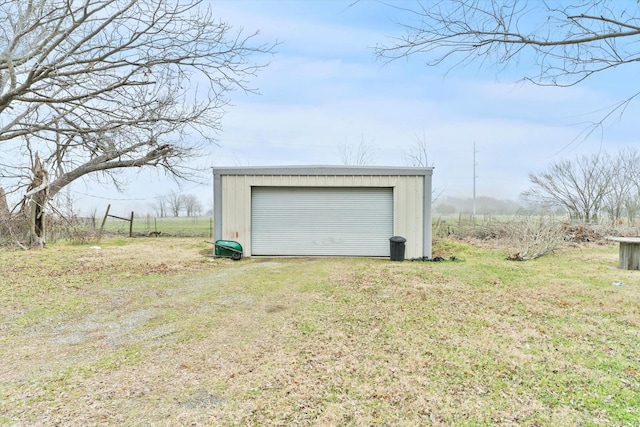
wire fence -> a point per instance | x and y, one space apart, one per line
86 229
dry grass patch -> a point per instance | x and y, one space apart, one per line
149 332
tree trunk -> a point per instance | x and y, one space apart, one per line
37 203
4 214
4 207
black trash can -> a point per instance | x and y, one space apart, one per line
397 248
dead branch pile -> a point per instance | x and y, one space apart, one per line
580 233
533 237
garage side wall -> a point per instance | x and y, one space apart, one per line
233 204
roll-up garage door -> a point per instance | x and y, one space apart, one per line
321 221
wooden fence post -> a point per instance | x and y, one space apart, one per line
106 214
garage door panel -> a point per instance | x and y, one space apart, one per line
321 221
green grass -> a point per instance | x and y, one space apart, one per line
153 331
172 226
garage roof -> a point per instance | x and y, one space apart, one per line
323 170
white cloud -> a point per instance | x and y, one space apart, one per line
324 89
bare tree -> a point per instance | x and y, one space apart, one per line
362 155
197 209
175 202
160 206
578 186
88 87
632 205
418 156
192 205
559 43
630 159
623 188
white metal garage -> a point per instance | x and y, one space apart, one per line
323 210
321 221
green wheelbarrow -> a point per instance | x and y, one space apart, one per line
228 249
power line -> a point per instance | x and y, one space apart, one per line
135 199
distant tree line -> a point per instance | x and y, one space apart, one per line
174 204
590 187
484 206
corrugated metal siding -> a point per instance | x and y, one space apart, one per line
321 221
235 201
408 211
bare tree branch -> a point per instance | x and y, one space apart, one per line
581 186
362 155
418 156
94 86
567 42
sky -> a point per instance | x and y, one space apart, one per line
324 92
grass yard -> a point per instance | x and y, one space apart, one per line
154 332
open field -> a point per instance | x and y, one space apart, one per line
87 229
154 332
172 226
